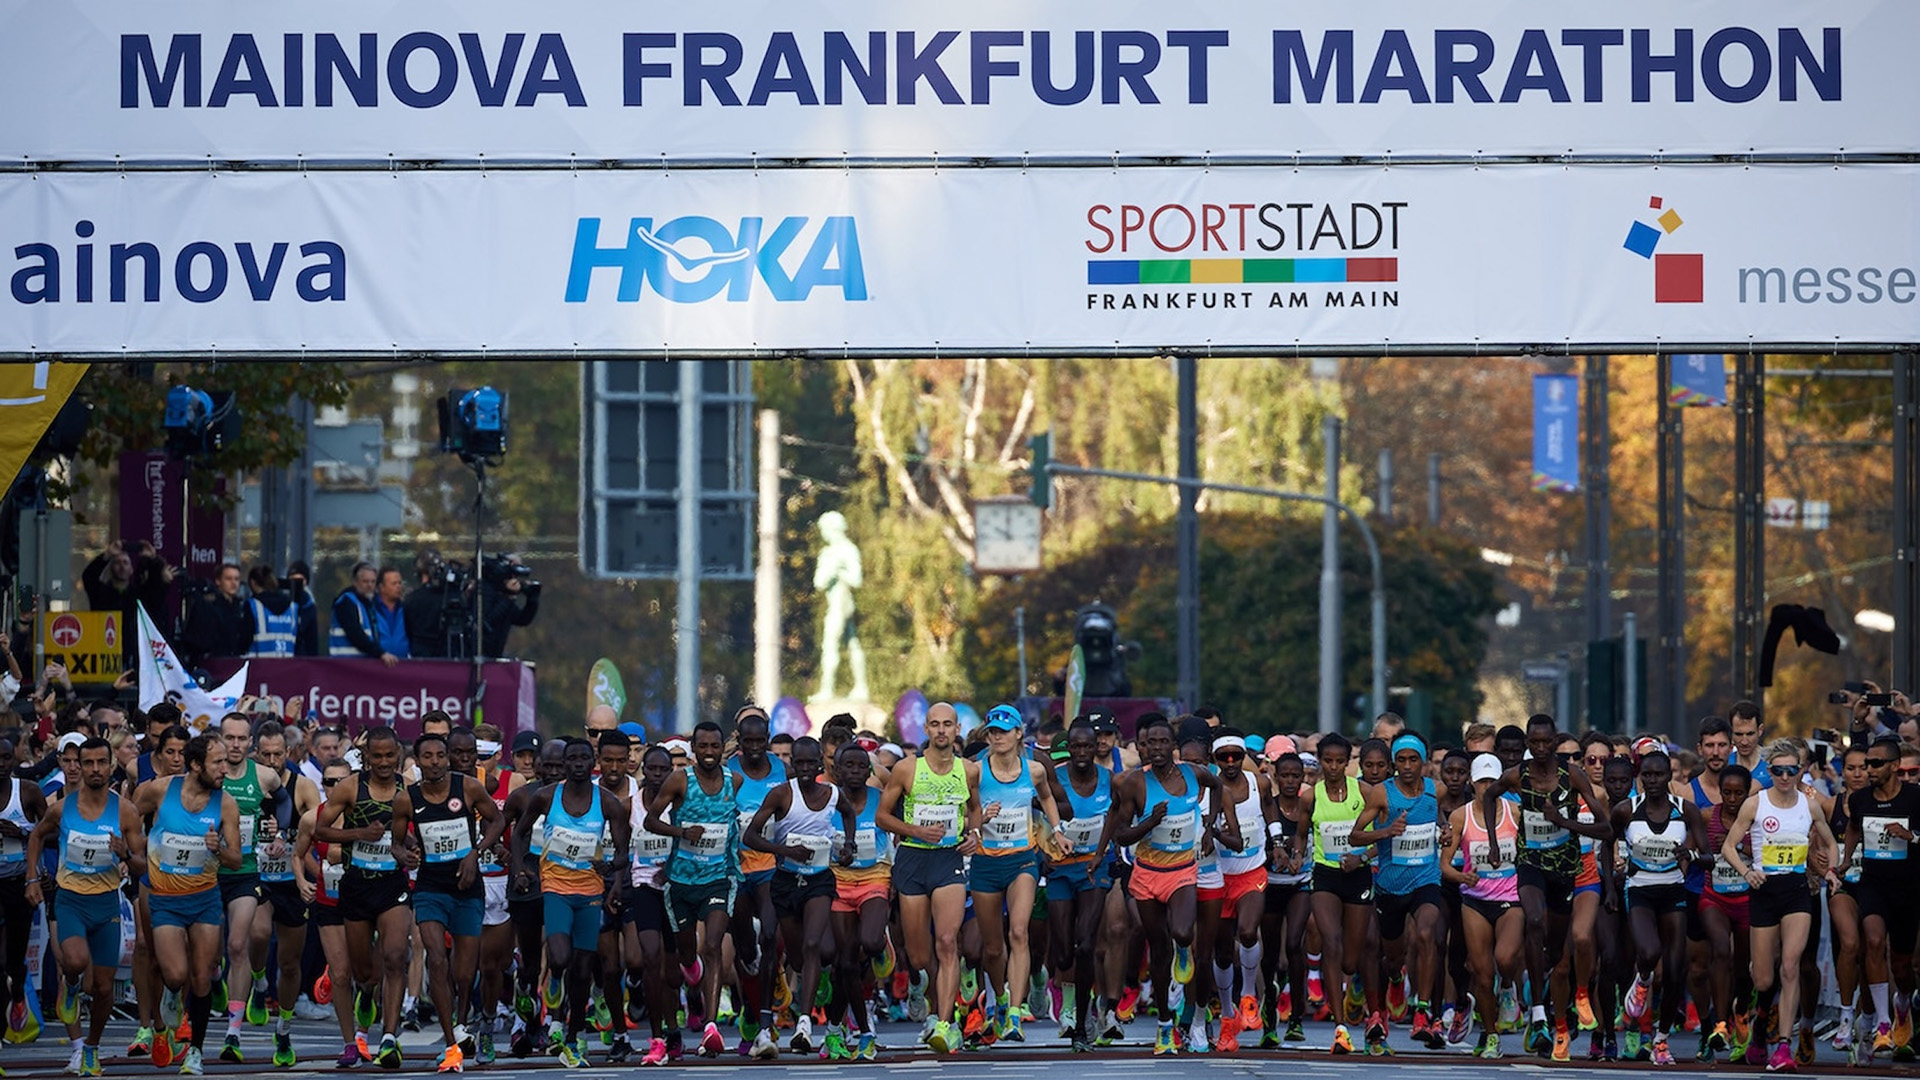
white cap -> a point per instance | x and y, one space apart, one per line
1486 767
70 740
892 748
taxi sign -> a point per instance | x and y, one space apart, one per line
87 643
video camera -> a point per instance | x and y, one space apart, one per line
499 569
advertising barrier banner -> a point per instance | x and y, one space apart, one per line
961 261
367 693
500 80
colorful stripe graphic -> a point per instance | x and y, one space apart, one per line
1240 271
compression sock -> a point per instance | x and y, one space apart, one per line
1883 1014
198 1007
1223 983
1249 957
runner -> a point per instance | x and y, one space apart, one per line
696 807
1455 791
1163 826
469 754
573 883
613 757
1406 811
1551 791
325 866
1881 824
1343 892
1487 832
453 820
375 902
1288 907
280 885
524 905
1248 799
1583 933
95 831
754 921
249 927
1004 876
195 822
797 825
1843 906
21 808
1077 881
1662 836
643 910
924 803
1781 828
862 898
1724 914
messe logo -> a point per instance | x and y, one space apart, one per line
1678 278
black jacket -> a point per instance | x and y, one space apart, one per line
216 626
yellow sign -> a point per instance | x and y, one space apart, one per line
87 642
31 395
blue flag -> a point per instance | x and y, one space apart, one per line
1556 433
1698 379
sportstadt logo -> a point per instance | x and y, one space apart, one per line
1677 278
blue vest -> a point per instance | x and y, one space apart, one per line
337 643
273 635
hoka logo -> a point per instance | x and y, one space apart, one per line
691 259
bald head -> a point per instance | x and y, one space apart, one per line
943 726
600 720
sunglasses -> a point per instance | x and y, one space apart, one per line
1785 770
1597 759
1904 771
1229 757
331 780
1880 762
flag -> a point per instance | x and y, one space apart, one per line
30 397
162 678
1699 380
1556 433
1076 681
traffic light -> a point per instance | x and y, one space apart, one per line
1040 485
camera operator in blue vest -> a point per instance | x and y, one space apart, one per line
275 616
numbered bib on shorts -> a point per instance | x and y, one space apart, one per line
1083 833
945 815
1419 845
1174 833
571 848
1726 881
375 855
1540 832
445 841
183 854
1784 854
1877 843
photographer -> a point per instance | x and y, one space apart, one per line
306 641
509 597
426 605
125 576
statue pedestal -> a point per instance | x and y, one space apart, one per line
867 715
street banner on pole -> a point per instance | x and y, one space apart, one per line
1699 380
1556 433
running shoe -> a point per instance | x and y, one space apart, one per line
1610 1049
869 1048
1397 1000
1196 1035
1782 1059
1806 1047
68 1007
1163 1041
711 1041
1422 1027
883 965
619 1049
1111 1029
1488 1046
388 1056
1182 964
1356 1001
257 1003
1638 995
1882 1039
573 1052
1079 1044
142 1043
483 1048
599 1015
230 1050
1250 1018
1740 1026
190 1064
1718 1040
1342 1042
73 1063
834 1046
1902 1026
553 994
782 992
1461 1023
1129 1002
1538 1042
349 1057
1756 1053
1843 1035
366 1008
1012 1029
283 1056
802 1042
1705 1051
656 1053
1296 1032
1229 1040
1377 1036
764 1048
22 1025
163 1048
1661 1054
451 1060
1509 1012
1068 1023
1583 1010
90 1061
1562 1042
943 1039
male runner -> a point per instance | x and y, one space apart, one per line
1343 892
1882 821
195 823
454 819
21 807
1551 791
1077 882
756 773
248 927
862 898
923 804
469 758
374 898
281 886
643 910
1156 811
96 831
613 757
524 905
325 867
1743 720
703 875
796 824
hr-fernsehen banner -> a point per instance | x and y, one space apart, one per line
1697 259
655 80
1556 433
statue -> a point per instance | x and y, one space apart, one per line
837 574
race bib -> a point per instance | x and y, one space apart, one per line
374 854
182 854
1480 855
745 819
1588 845
649 848
1784 855
1008 828
819 851
248 825
274 863
1174 833
1656 853
866 844
12 850
1726 881
330 875
572 848
1877 843
1083 833
1333 838
945 815
711 845
1540 832
1253 830
445 841
88 853
1417 846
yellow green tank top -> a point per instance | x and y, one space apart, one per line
935 799
1333 822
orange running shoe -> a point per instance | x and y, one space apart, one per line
1229 1039
1249 1013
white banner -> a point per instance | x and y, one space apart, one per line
504 79
963 260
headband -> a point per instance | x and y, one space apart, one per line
486 747
1309 761
1229 742
1409 741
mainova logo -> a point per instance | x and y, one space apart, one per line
1678 277
689 260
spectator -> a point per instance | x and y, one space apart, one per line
127 575
323 749
513 602
274 614
306 640
218 624
389 620
10 679
352 633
